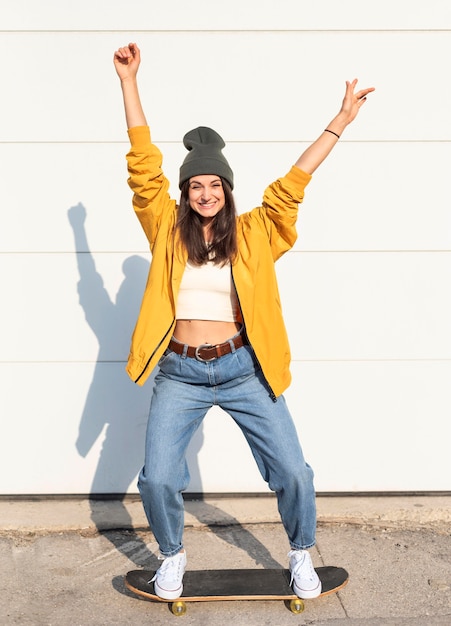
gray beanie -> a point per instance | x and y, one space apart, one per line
204 155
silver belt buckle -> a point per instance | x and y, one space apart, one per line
197 355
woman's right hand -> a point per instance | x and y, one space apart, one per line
126 61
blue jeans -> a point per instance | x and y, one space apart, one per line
185 389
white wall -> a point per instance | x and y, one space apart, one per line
366 289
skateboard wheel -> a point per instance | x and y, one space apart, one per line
297 606
178 608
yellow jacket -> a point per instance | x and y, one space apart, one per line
263 235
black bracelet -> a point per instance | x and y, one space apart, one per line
326 130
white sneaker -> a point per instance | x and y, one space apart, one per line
304 579
168 578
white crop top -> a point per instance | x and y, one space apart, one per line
207 293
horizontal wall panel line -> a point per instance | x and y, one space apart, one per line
228 31
386 251
423 360
52 362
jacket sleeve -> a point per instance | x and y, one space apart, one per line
279 209
151 199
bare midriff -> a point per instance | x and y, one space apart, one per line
198 332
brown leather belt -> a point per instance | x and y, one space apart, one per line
207 352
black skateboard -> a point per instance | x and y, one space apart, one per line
236 584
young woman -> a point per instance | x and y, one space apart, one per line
211 319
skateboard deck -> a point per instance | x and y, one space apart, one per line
236 584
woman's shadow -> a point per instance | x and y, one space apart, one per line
118 408
114 406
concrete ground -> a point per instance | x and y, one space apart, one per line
63 561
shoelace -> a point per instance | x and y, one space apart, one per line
169 570
299 564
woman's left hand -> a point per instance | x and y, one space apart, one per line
353 101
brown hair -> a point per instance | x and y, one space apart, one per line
223 246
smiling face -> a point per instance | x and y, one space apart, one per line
206 195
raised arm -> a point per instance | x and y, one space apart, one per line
315 154
126 62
